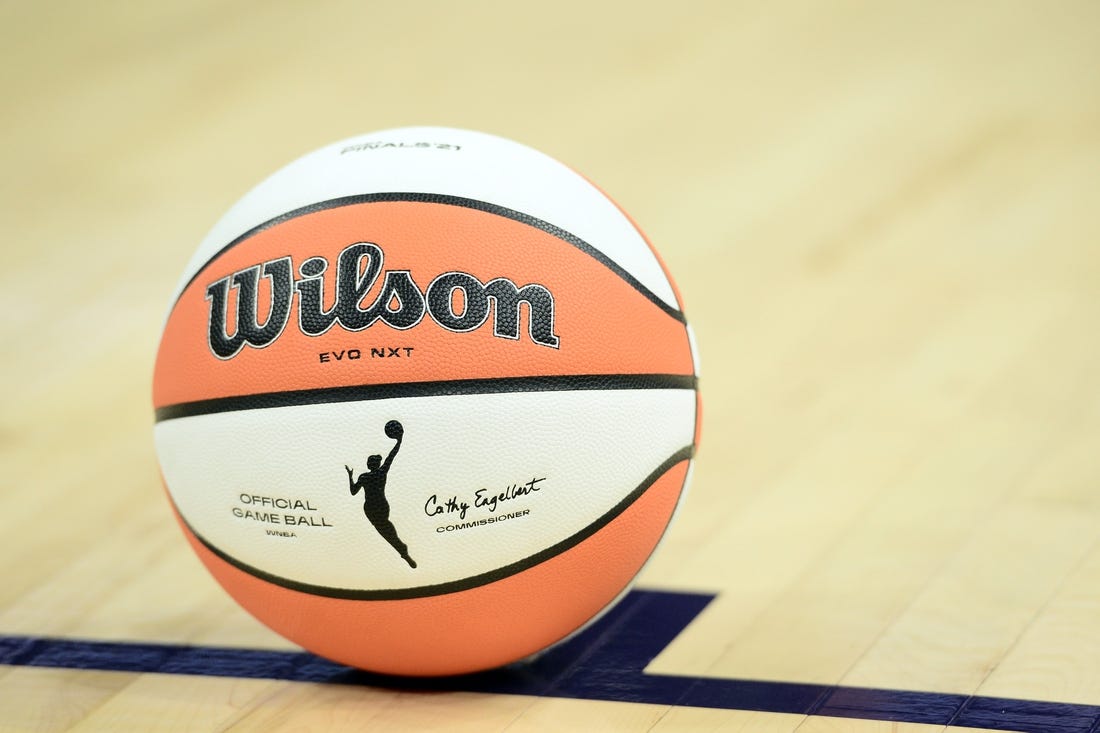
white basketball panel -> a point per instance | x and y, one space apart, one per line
585 451
450 162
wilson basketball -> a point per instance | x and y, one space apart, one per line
426 401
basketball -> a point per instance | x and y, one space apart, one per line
425 401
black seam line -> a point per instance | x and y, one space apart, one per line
433 198
358 393
474 581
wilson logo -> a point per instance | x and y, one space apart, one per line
456 301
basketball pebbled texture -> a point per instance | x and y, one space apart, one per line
426 401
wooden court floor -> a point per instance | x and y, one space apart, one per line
885 222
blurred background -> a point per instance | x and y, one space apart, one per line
882 218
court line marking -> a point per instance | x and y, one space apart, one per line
605 662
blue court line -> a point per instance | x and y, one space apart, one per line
605 662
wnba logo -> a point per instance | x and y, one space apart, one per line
373 484
400 303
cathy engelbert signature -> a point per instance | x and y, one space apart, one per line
482 499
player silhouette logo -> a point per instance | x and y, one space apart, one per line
373 484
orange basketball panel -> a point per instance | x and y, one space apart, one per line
605 325
445 634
